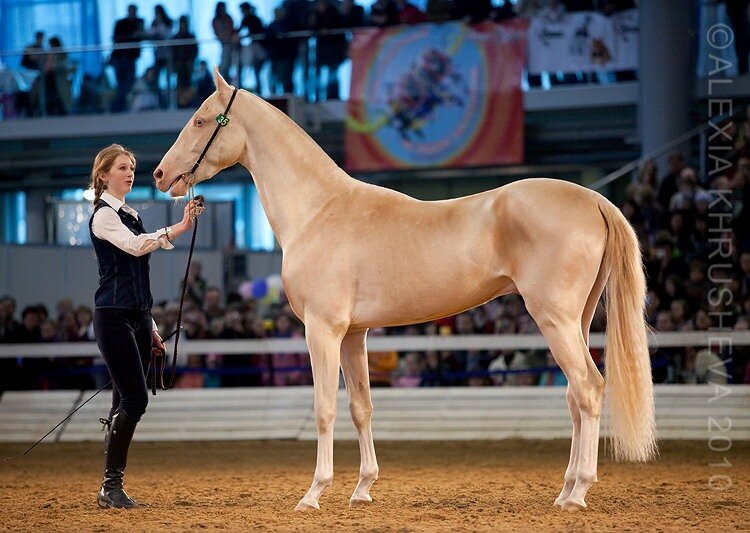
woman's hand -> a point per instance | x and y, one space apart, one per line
193 209
156 341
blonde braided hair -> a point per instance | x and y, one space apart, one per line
102 164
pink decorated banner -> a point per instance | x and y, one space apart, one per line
432 95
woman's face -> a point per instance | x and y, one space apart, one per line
120 177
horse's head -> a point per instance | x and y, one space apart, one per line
173 172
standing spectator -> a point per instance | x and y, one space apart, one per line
184 56
162 29
127 30
57 71
440 10
34 60
282 52
254 54
384 13
330 50
475 11
352 14
408 13
223 26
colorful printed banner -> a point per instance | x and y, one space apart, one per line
429 95
584 42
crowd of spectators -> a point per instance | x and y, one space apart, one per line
247 46
695 236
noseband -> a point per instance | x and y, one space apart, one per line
222 119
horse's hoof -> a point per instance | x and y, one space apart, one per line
570 505
559 502
360 502
307 505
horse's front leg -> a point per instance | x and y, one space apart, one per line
324 343
354 364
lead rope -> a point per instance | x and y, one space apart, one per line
158 357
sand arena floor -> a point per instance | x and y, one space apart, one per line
423 486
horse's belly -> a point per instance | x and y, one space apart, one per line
396 305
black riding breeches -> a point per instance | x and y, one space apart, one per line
124 339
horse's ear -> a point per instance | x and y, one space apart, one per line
221 84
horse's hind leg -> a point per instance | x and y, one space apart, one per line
356 375
587 389
588 314
324 344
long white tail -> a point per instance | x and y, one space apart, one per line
630 389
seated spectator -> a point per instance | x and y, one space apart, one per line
287 368
31 319
191 376
669 182
709 368
684 198
503 366
48 332
85 319
410 373
9 326
212 305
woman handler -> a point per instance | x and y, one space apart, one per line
123 325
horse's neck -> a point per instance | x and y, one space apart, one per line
295 178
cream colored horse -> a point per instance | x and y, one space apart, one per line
357 256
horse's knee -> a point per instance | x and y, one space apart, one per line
324 417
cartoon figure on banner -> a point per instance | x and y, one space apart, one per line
415 96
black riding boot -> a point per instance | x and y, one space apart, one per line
117 443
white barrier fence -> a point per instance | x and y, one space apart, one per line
683 411
722 339
458 413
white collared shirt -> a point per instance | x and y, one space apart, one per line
108 226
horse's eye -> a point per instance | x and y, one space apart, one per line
199 122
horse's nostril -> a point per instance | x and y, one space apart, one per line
158 174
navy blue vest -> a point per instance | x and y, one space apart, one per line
123 278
